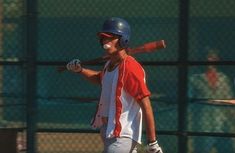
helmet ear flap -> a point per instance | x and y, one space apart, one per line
124 41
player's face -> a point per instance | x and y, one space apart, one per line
111 44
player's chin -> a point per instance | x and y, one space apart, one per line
110 52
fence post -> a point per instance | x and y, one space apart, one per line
183 74
31 57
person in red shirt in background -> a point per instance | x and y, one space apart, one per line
210 92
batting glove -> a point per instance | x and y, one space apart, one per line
74 65
153 148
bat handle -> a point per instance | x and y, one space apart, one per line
61 68
93 61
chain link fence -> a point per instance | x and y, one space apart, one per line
192 81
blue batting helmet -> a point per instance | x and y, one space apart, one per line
118 27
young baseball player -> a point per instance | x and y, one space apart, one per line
124 101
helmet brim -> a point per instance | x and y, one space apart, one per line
104 34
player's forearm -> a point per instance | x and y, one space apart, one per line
148 119
150 126
91 75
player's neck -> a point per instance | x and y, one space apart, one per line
211 69
117 58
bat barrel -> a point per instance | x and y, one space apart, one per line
149 47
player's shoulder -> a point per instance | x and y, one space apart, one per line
131 64
222 74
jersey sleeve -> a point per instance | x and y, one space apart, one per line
134 82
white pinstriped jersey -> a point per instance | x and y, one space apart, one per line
109 83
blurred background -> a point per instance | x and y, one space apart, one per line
192 81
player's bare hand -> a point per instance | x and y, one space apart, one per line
74 66
153 148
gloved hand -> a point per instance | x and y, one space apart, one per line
74 65
153 148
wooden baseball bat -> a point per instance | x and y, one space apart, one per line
145 48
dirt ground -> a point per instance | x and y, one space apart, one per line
67 143
63 143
